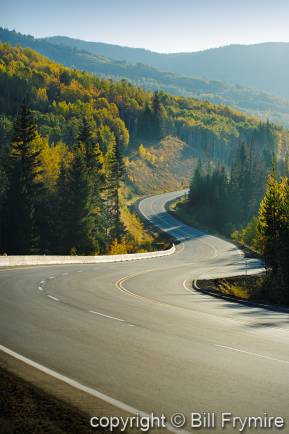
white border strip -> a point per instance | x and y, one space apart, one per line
71 382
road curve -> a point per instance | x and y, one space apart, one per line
139 334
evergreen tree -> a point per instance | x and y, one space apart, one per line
80 212
197 185
85 138
94 165
62 204
21 233
146 123
157 115
208 196
248 175
115 229
3 185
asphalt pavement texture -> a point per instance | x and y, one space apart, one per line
138 333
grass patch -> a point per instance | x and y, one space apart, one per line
257 288
233 289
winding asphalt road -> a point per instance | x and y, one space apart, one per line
138 333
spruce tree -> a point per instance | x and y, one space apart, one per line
114 178
21 233
81 215
94 164
3 185
85 137
157 115
62 204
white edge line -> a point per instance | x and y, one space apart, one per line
106 316
53 298
252 354
93 392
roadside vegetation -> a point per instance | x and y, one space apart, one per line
262 199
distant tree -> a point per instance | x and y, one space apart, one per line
248 176
197 185
157 115
85 137
146 123
61 217
208 196
3 186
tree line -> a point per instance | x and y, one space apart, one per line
251 203
80 215
59 95
225 199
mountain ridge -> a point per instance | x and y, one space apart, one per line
248 65
242 98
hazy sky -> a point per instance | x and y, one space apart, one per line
159 25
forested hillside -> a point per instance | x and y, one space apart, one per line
84 56
73 140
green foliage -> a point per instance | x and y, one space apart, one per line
273 233
208 197
226 203
82 218
84 126
20 220
88 56
248 235
114 177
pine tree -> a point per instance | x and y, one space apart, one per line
21 233
114 178
62 204
239 181
196 186
157 115
94 164
81 215
3 186
146 123
85 138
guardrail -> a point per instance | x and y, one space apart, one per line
14 261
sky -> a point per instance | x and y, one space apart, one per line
159 25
